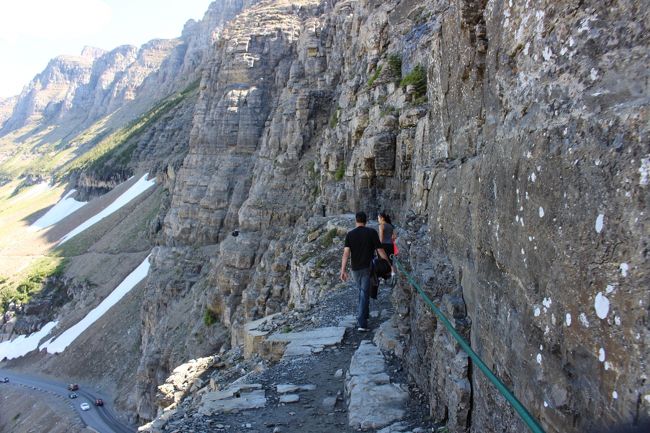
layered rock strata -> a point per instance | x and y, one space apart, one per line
246 276
520 170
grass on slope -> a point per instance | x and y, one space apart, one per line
23 265
29 282
40 153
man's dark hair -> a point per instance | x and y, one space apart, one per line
361 217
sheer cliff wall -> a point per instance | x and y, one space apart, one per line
518 180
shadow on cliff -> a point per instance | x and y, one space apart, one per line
642 427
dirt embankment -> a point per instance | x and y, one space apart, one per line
23 410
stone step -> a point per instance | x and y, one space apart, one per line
373 402
308 342
274 346
234 398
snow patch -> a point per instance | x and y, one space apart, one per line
23 344
601 304
624 267
136 189
601 354
615 395
539 358
60 343
541 212
533 177
537 312
62 209
610 288
599 223
593 74
547 302
567 319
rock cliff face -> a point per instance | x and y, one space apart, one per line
6 108
518 179
524 176
242 277
50 93
508 140
75 91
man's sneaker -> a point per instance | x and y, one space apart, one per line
360 329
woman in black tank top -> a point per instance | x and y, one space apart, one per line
386 236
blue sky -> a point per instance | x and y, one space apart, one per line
34 31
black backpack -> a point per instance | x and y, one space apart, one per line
381 267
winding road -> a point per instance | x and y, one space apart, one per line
99 418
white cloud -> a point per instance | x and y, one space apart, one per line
52 20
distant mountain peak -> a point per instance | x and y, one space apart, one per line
92 52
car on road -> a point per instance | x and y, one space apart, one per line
73 387
99 402
73 395
5 380
84 406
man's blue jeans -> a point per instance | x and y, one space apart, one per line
362 279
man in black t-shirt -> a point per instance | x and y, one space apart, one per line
360 244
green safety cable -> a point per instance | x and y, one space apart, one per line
532 424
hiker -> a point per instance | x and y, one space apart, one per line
361 244
387 237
